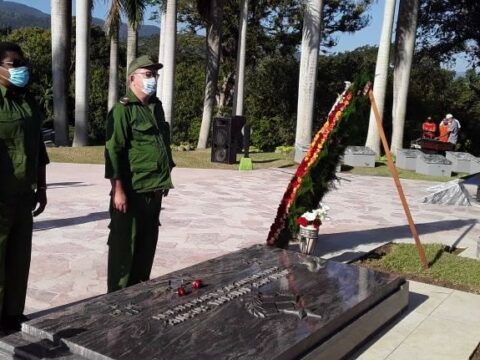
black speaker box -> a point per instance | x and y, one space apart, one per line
226 139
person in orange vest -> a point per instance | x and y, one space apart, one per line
429 128
443 129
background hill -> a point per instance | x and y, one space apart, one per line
15 15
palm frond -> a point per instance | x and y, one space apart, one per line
134 11
112 23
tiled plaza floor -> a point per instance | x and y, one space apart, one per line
213 212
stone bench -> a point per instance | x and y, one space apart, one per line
359 156
433 165
460 161
407 158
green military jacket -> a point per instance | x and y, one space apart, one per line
21 145
137 150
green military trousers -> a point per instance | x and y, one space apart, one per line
15 253
132 240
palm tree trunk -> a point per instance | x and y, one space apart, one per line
214 35
240 71
404 49
312 22
113 71
161 50
132 46
61 25
225 92
82 60
169 60
381 74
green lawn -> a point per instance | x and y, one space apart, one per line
189 159
445 269
201 159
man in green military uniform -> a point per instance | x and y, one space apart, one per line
22 181
138 162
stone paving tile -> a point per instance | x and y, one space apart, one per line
382 346
213 212
453 308
431 328
436 339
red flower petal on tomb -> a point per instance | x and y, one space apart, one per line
181 291
316 223
197 284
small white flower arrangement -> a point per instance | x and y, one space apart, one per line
314 217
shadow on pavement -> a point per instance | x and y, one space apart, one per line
336 242
60 185
57 223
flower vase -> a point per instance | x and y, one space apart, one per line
307 237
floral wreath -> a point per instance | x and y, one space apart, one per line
302 175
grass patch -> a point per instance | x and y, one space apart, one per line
381 169
186 159
78 155
201 159
446 269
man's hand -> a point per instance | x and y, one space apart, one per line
120 200
119 197
40 199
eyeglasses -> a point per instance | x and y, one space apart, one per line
15 63
147 74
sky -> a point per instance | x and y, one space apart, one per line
370 35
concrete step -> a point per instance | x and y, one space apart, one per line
25 347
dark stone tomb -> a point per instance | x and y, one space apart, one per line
257 303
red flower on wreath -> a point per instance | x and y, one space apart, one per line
302 221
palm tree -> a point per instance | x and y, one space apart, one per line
404 49
161 47
240 75
212 13
112 26
312 21
61 25
381 73
82 60
134 10
132 44
169 43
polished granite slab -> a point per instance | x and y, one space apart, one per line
257 303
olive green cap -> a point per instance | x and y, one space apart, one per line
141 62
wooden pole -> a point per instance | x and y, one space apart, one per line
393 171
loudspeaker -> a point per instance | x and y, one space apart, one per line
226 139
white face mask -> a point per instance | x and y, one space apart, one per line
149 86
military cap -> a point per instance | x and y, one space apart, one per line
143 61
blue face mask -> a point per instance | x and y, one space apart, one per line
19 76
149 86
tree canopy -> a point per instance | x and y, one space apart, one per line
449 27
271 80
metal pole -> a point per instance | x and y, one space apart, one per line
396 179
